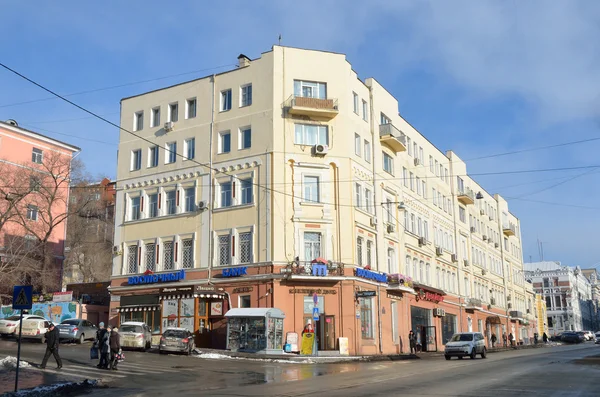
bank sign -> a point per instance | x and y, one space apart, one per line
370 275
156 278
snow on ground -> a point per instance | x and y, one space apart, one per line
10 362
55 389
216 356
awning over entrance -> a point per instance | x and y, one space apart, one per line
138 308
494 320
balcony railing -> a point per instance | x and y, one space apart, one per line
316 269
474 304
516 314
316 107
509 229
392 137
466 196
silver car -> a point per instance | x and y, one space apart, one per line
10 325
135 335
465 344
76 329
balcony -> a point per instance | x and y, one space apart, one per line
473 304
515 314
509 229
313 269
466 196
312 107
392 137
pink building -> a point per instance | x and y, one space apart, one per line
34 198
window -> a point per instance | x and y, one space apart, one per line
173 111
311 188
408 146
153 205
171 202
224 142
187 253
312 245
365 110
149 257
37 155
32 212
388 210
245 247
462 214
355 96
190 199
226 194
246 95
190 108
359 251
132 259
388 164
405 176
424 188
426 230
391 261
225 100
369 252
383 119
367 151
153 156
155 117
412 181
366 317
244 301
419 186
246 187
421 155
224 250
437 169
135 209
358 195
168 263
308 134
34 184
435 201
368 201
138 121
431 163
357 144
245 138
171 154
189 146
310 89
136 159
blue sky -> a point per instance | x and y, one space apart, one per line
478 77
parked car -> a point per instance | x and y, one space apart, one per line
556 337
76 329
572 337
136 335
10 325
597 338
465 344
589 335
34 328
176 340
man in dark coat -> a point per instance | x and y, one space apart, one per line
51 347
104 347
115 347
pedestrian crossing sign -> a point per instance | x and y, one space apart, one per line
22 297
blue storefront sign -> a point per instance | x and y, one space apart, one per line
370 275
157 278
235 272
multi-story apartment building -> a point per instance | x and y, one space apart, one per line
34 196
568 295
592 276
289 181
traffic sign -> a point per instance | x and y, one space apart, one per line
22 297
316 313
315 298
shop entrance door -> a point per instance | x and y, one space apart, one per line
430 339
326 332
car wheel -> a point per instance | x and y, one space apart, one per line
460 357
483 353
43 340
447 357
81 339
473 353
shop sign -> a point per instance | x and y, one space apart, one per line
235 272
173 290
365 294
151 278
307 291
66 296
115 298
370 275
428 296
394 297
216 308
200 288
240 290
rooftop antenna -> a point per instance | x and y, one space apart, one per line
279 38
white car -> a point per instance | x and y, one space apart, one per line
465 344
589 335
34 328
597 337
10 325
135 335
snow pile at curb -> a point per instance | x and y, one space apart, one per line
10 362
57 389
216 356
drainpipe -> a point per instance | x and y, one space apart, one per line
210 184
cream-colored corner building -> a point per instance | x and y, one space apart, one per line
288 180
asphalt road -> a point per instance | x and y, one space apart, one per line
555 371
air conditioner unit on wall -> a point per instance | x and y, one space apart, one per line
169 126
202 205
373 221
481 212
116 250
466 262
472 229
484 237
454 258
417 161
492 301
391 228
320 150
439 251
509 305
483 271
422 241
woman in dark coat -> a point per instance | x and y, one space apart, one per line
104 346
115 347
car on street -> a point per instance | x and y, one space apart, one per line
465 344
597 337
34 328
589 335
135 335
572 337
176 340
76 329
556 337
10 325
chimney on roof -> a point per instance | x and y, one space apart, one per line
243 61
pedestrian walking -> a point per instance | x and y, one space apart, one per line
511 338
535 338
98 341
494 339
412 339
104 346
115 347
504 339
545 338
51 347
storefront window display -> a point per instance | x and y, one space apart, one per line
366 317
169 313
255 329
448 327
186 314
